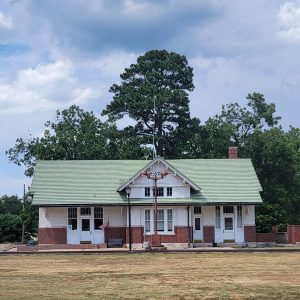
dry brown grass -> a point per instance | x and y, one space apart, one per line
151 276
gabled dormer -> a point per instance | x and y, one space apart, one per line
174 185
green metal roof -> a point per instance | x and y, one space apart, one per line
65 182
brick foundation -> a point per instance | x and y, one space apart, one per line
181 236
293 234
52 235
137 234
250 233
59 246
208 234
265 237
115 233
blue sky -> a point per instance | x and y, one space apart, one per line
54 55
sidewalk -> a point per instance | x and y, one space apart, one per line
296 249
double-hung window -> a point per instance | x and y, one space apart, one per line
147 192
160 220
98 217
72 217
169 192
164 220
170 220
147 220
218 217
160 192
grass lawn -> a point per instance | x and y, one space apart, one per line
151 276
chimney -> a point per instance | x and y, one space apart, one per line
233 152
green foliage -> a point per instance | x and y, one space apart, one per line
10 227
12 215
10 205
243 121
75 134
160 76
274 152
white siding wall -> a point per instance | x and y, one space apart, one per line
53 217
249 214
180 188
115 215
208 215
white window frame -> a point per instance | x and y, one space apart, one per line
98 215
146 192
218 216
169 191
239 216
166 217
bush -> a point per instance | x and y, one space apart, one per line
10 228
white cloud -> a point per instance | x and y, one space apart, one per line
5 22
115 62
43 88
289 19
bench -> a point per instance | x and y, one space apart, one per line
113 243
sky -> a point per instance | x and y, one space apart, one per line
54 55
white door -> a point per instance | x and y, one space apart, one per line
228 231
198 234
86 230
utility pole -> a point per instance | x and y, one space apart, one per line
153 137
23 224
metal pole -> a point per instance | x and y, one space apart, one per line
154 112
129 221
155 204
23 224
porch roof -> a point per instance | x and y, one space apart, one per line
80 182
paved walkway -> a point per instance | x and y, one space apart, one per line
289 248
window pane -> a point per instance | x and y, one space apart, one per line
239 216
218 217
72 212
170 219
147 220
98 212
160 192
197 210
160 225
147 226
169 192
160 220
228 223
85 224
147 192
85 210
98 223
147 214
228 209
73 222
197 224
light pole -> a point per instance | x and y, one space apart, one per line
128 190
155 177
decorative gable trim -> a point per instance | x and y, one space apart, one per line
169 166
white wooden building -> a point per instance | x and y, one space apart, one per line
200 202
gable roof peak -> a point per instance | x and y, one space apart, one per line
168 166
